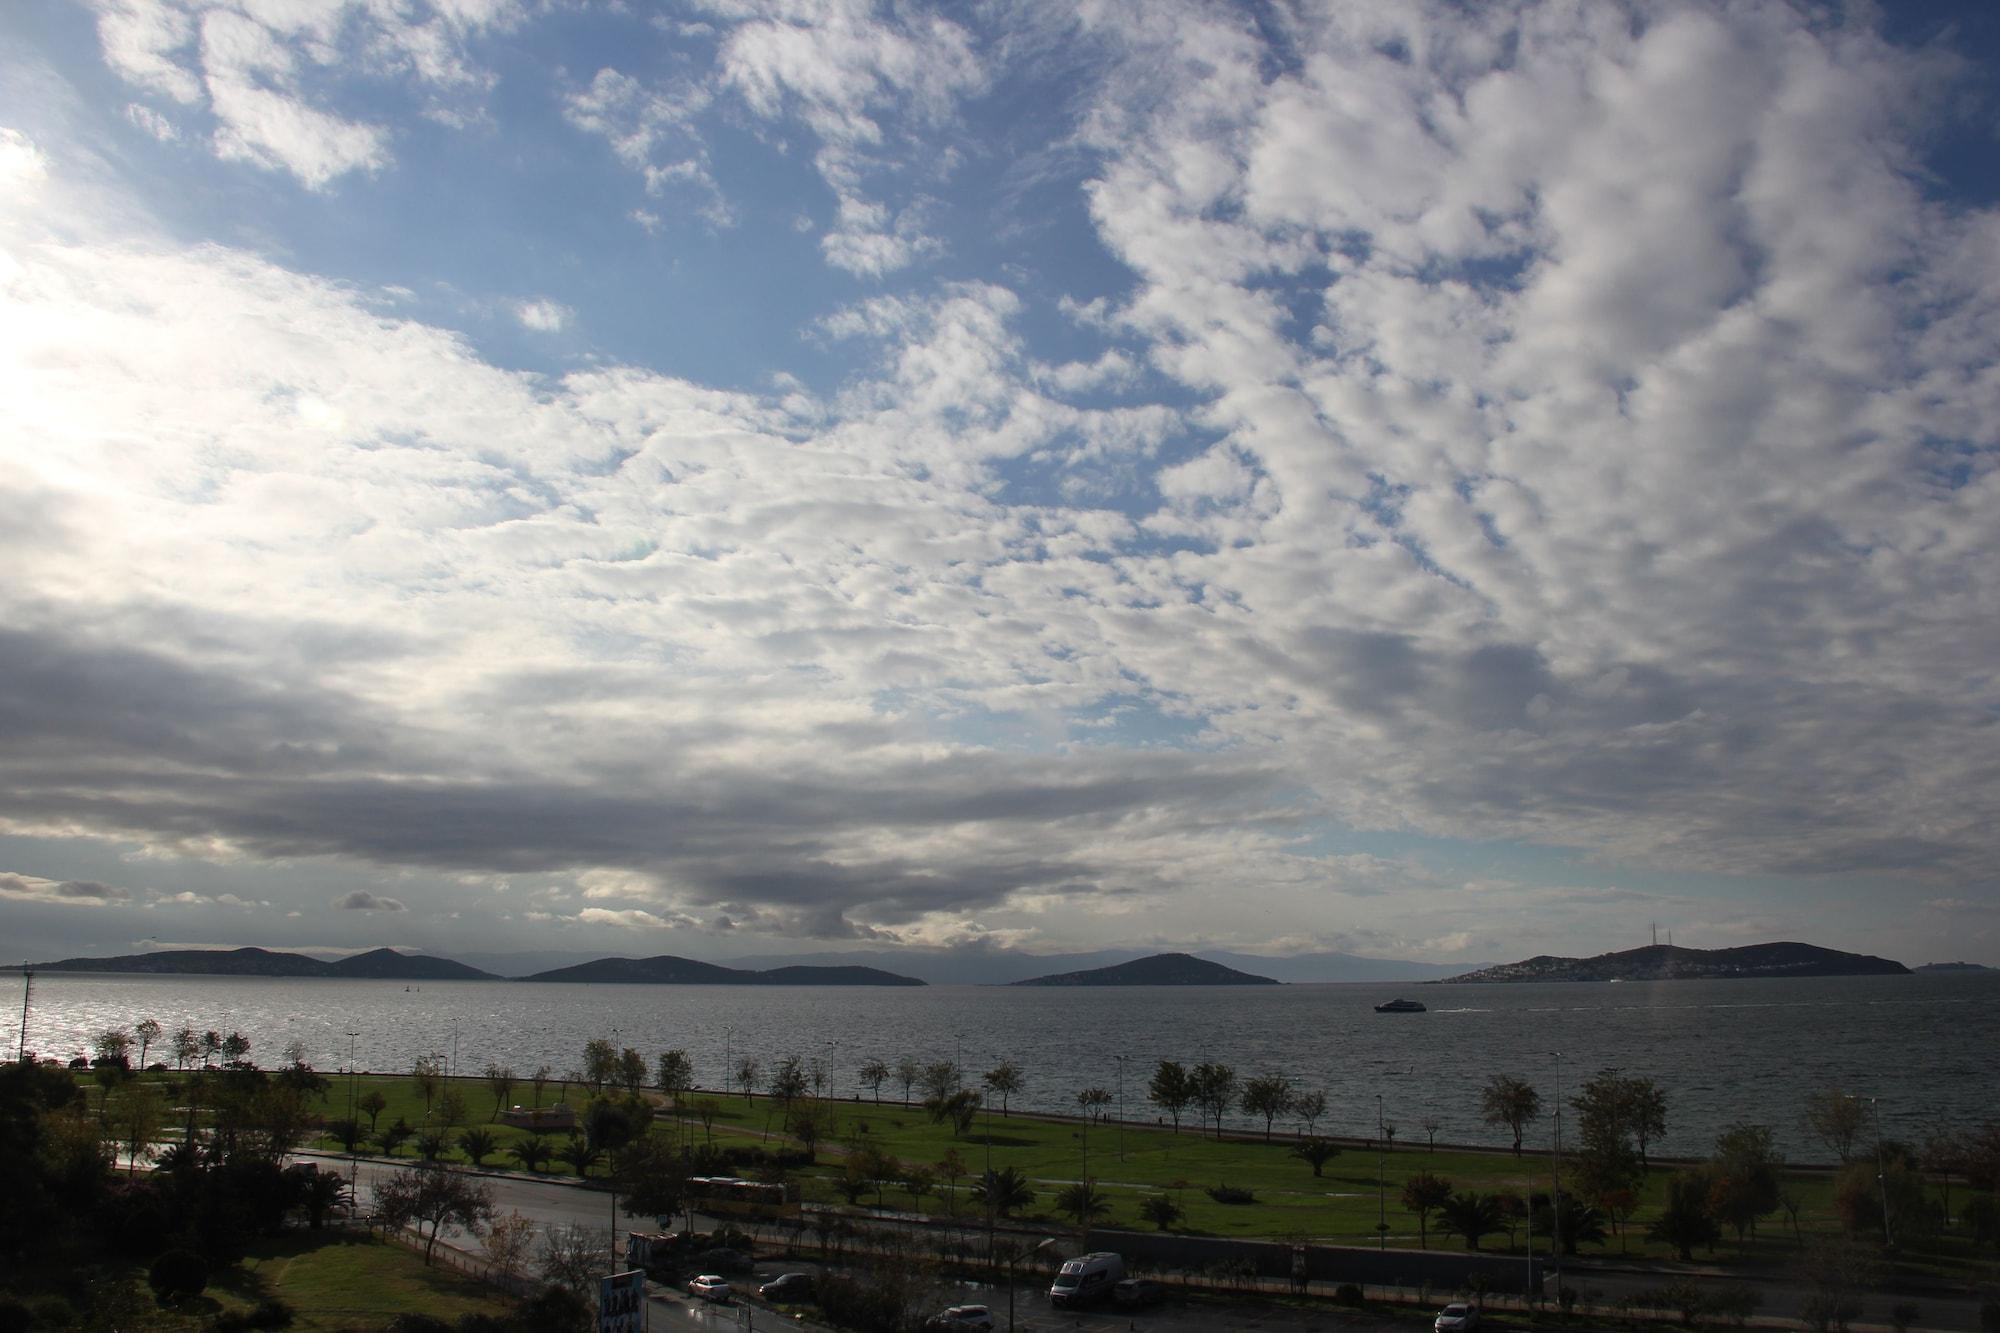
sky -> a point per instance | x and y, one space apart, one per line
1428 480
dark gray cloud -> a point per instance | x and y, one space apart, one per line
363 901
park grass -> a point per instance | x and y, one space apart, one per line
348 1280
1339 1207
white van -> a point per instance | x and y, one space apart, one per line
1088 1280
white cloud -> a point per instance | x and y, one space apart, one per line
542 316
152 122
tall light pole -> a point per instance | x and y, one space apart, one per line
27 990
1121 1106
1381 1183
1881 1176
354 1129
1555 1182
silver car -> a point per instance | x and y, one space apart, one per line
1457 1317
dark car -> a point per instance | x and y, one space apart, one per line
788 1287
1135 1292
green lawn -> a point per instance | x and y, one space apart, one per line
345 1280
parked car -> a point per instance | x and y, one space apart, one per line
709 1287
1457 1317
788 1287
1135 1292
961 1319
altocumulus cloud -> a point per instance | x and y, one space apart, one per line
1515 425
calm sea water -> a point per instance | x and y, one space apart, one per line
1924 1046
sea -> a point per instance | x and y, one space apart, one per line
1923 1049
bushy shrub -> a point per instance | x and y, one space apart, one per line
176 1276
1347 1293
555 1309
1231 1194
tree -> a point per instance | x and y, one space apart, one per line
1309 1107
951 1166
941 1079
1510 1102
187 1046
451 1108
1687 1220
1431 1124
1160 1210
431 1144
652 1180
113 1046
873 1075
509 1241
1092 1101
1004 1191
1171 1090
630 1071
1316 1153
788 1082
1004 1080
500 1078
395 1136
1423 1194
1836 1119
960 1108
533 1152
317 1194
580 1153
141 1113
429 1077
431 1196
908 1072
600 1062
1083 1202
539 1080
373 1104
477 1145
810 1121
1472 1216
676 1074
1214 1089
746 1077
147 1030
1744 1177
919 1180
1268 1095
571 1257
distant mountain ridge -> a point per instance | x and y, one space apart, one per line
383 964
1667 962
1001 967
1160 969
667 970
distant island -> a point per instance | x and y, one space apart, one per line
1161 969
376 964
667 970
1951 967
1667 962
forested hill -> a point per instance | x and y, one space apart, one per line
1162 969
1667 962
667 970
253 962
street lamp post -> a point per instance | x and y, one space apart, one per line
1381 1183
353 1129
1881 1175
1121 1106
1555 1183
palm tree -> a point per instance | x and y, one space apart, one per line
431 1144
478 1145
1083 1202
1003 1191
1316 1152
319 1193
531 1152
1161 1211
1471 1216
581 1154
